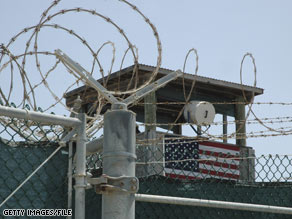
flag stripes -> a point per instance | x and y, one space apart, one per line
201 159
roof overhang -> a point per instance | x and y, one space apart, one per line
221 93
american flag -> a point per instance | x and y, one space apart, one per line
189 159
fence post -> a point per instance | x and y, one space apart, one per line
119 157
70 170
80 175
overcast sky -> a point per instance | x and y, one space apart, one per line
222 32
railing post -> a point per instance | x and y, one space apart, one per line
119 157
80 175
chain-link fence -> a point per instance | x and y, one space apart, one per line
170 166
24 146
184 167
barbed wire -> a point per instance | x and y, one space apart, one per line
187 97
218 103
209 137
31 131
250 110
274 120
20 60
45 18
212 158
96 122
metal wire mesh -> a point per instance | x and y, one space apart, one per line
24 145
177 171
171 166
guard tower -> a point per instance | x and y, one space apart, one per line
205 89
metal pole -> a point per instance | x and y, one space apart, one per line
94 146
80 175
70 154
213 204
39 117
152 87
119 155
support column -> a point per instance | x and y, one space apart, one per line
240 122
224 128
150 112
119 156
150 133
80 175
199 130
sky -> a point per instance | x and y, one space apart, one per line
221 31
